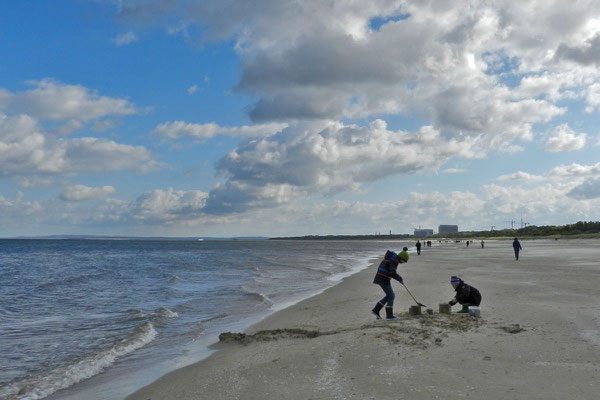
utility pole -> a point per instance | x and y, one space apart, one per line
523 224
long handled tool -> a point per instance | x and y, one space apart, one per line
419 304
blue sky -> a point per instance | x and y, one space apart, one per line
231 118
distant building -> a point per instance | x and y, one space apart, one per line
423 232
448 228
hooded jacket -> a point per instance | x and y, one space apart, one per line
467 294
387 268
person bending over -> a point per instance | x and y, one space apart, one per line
466 295
385 272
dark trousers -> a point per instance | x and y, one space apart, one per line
473 301
388 300
517 254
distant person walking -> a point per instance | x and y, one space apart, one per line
466 295
517 247
387 269
482 243
418 245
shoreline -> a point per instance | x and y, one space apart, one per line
137 378
330 346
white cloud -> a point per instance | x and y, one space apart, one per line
69 127
168 205
76 192
56 101
563 138
593 98
15 212
178 129
575 171
125 38
192 89
33 181
26 149
588 189
326 159
486 69
521 176
481 75
453 171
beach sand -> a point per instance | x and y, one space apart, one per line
538 336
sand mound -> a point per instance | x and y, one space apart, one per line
422 330
271 334
426 330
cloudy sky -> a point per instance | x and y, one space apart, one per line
281 117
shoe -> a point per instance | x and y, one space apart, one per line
376 310
465 309
389 314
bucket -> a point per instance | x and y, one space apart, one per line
474 311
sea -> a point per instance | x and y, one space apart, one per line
99 319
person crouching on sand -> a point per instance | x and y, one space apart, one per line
466 295
387 270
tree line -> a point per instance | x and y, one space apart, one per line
578 228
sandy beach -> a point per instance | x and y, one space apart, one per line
538 336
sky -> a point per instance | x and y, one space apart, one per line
282 118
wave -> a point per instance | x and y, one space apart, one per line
39 387
71 281
219 316
263 298
164 313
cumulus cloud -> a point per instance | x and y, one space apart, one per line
520 176
22 209
26 149
592 98
585 53
563 138
324 160
178 129
482 75
449 63
168 205
76 192
589 189
575 171
56 101
33 181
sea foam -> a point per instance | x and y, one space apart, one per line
39 387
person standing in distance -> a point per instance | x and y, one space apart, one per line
387 269
517 247
418 246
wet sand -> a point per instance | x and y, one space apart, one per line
538 336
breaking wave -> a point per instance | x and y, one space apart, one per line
39 387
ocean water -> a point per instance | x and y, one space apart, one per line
98 319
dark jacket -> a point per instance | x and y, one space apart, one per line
467 294
517 245
387 269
